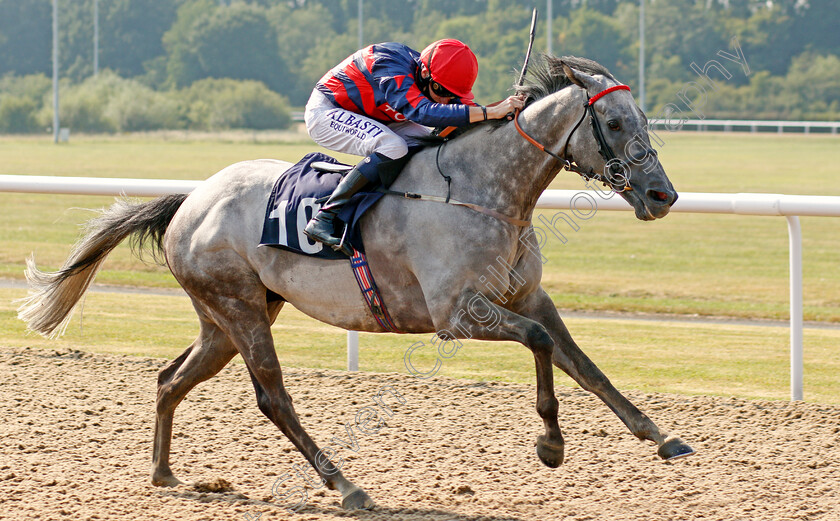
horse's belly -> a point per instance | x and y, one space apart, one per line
327 291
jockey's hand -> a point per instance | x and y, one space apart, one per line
507 106
498 110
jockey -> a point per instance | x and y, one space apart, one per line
379 102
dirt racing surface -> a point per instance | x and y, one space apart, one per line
77 441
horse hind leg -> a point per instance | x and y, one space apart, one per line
276 405
210 352
246 317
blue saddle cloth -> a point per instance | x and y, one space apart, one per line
297 195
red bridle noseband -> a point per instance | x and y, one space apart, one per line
616 165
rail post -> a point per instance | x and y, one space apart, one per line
797 369
352 350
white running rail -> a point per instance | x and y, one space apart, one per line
789 206
728 125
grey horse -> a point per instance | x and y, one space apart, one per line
428 259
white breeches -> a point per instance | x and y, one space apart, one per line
344 131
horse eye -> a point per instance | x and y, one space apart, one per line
613 124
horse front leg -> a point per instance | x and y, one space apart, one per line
550 447
478 318
572 360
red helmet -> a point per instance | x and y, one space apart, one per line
453 65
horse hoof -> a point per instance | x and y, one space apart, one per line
357 500
166 480
674 448
549 452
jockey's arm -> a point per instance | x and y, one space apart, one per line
406 98
497 110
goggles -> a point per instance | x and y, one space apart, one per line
440 90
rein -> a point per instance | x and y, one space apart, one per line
616 165
448 200
604 148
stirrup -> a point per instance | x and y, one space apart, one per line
342 246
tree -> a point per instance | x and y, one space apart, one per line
25 37
791 46
236 41
132 33
596 36
691 32
815 80
239 42
297 42
182 66
217 104
815 27
766 38
17 115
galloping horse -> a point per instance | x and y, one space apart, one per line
427 258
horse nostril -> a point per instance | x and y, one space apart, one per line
669 197
656 195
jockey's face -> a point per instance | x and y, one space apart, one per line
439 99
430 92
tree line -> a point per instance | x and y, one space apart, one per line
214 64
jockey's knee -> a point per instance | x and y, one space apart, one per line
393 148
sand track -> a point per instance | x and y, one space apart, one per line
77 432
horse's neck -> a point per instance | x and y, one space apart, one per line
501 169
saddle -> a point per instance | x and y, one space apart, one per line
336 168
296 195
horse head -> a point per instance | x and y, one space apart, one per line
610 142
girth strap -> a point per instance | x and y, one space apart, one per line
370 292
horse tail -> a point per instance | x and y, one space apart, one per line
53 296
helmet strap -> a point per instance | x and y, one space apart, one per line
424 79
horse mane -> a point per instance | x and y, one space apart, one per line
543 78
546 76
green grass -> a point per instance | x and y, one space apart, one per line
686 358
47 225
685 264
709 264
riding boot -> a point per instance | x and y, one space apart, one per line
321 227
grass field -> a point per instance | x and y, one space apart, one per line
685 264
685 358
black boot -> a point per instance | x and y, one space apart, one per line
321 227
376 168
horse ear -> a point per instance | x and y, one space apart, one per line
572 75
581 79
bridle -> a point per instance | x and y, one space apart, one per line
617 167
